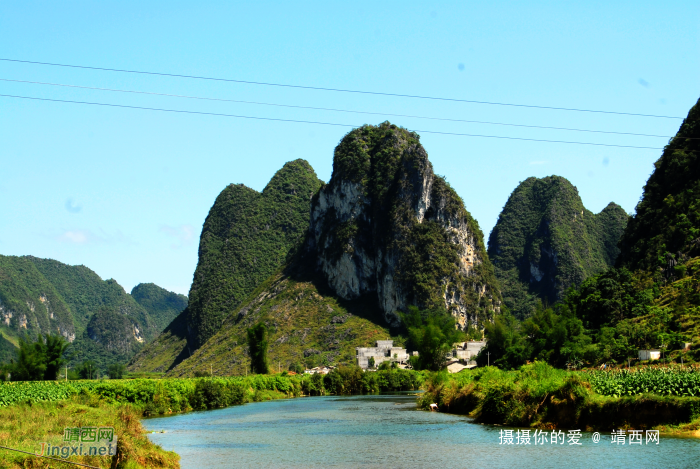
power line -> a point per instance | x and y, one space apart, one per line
332 109
49 457
317 122
340 90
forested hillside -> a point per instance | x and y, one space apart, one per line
162 305
102 322
246 237
650 300
665 230
546 241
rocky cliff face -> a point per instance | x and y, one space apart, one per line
29 302
545 241
386 225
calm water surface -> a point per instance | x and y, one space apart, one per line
381 431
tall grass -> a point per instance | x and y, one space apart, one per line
538 395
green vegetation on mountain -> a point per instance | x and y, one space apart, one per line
8 350
167 350
545 241
386 225
665 229
305 325
162 305
29 302
102 321
245 238
652 300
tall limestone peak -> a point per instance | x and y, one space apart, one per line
666 226
546 241
386 225
245 238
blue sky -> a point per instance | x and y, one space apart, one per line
125 192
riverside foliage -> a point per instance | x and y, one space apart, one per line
667 381
538 395
162 396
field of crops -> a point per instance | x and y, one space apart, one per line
665 381
157 396
137 391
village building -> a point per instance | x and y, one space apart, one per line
649 355
321 370
384 351
467 351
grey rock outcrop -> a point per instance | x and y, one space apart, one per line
385 224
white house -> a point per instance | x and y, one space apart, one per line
467 351
649 355
384 351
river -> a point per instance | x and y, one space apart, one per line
384 431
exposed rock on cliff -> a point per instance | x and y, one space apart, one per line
545 241
386 225
101 320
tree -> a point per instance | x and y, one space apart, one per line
53 349
87 370
432 333
257 343
31 362
505 346
116 371
370 362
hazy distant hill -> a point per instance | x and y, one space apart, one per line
104 323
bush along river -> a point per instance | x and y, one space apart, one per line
389 431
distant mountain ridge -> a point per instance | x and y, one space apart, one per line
102 321
246 237
546 241
383 234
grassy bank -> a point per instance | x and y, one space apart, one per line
540 396
25 426
38 411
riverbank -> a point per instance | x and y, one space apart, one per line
536 396
39 411
25 426
539 396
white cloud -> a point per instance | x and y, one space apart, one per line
184 234
77 237
85 236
